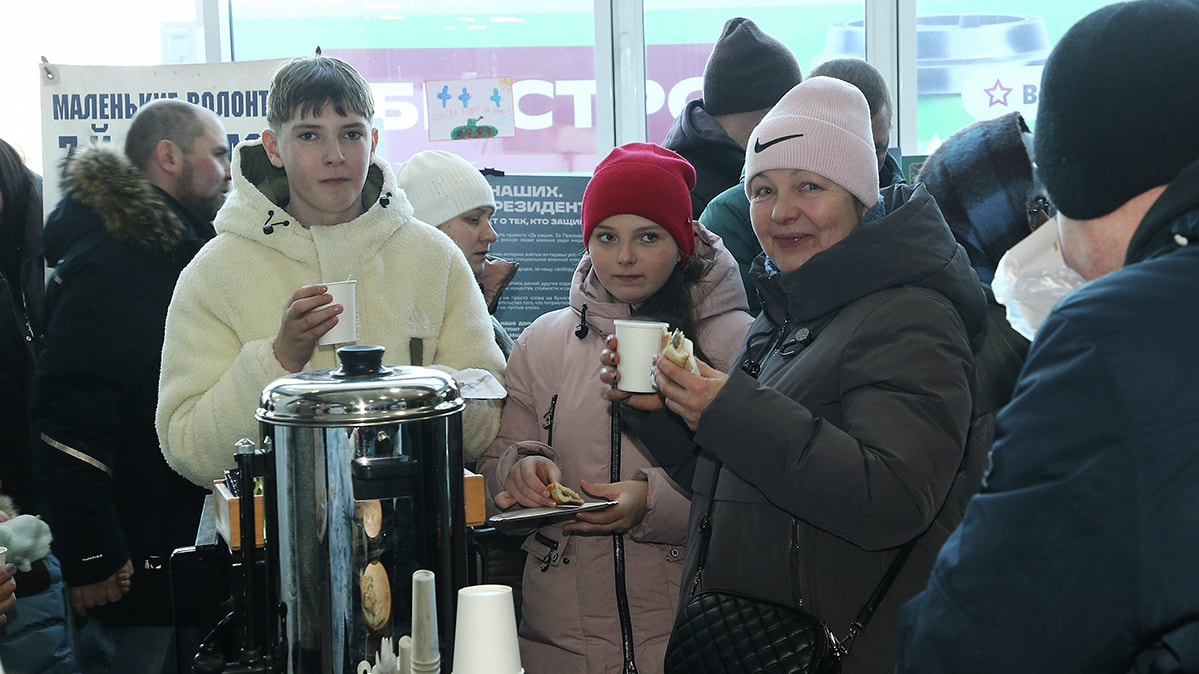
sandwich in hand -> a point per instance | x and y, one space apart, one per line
563 495
680 351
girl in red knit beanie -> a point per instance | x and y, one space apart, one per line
601 587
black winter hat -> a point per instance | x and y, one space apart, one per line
747 70
1118 102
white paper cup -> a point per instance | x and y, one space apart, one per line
346 330
426 653
485 632
637 342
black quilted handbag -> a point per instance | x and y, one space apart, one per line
726 633
722 632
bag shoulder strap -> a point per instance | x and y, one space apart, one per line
705 533
867 611
622 597
880 591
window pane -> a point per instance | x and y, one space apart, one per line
679 35
545 46
979 60
76 32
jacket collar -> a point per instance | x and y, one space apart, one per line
1156 233
720 291
909 245
198 226
128 206
695 129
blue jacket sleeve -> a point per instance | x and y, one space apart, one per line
1045 571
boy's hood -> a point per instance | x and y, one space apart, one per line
259 189
262 187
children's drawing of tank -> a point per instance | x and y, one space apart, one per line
473 130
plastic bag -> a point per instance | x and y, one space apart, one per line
1031 278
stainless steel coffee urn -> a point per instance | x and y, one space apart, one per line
367 464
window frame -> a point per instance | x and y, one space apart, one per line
620 62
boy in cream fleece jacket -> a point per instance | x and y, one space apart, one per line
311 204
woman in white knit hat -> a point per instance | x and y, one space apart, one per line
446 191
846 429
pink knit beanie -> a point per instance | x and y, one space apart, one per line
646 180
822 125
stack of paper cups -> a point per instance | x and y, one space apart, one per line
426 655
485 632
405 655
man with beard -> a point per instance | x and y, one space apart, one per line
124 230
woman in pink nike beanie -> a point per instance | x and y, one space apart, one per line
846 434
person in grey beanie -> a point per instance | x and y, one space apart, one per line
1078 557
747 72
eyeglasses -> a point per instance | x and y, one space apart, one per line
1040 211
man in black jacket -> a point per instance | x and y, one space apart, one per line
1080 556
124 230
22 288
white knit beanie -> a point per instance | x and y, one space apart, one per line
441 186
822 125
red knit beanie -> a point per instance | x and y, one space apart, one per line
646 180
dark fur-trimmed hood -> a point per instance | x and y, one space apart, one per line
127 205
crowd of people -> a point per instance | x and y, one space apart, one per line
861 431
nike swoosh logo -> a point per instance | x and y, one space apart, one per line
759 146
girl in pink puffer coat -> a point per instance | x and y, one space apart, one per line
601 589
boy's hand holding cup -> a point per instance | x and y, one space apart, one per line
346 330
311 313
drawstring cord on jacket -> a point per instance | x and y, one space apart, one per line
581 330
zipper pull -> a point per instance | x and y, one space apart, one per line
802 337
779 341
547 419
751 367
551 554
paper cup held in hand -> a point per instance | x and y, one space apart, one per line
637 342
485 632
346 330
